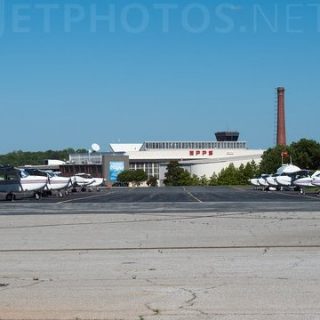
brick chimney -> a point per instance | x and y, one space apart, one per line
281 121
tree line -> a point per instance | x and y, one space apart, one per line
21 158
305 154
177 176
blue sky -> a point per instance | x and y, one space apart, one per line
70 80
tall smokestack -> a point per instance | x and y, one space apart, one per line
281 122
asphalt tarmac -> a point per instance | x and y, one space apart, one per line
174 199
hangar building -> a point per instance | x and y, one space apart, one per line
198 157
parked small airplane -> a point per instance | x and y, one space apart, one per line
286 174
316 179
260 181
84 180
306 181
283 170
255 182
271 180
277 180
289 179
55 182
263 180
14 181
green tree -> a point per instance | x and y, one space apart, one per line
250 171
241 175
306 154
272 160
203 181
125 176
228 176
195 181
177 176
152 182
132 176
20 158
139 176
213 180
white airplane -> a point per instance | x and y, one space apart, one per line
85 180
55 182
263 180
14 181
286 174
255 182
81 180
307 180
316 179
271 180
277 180
260 181
290 179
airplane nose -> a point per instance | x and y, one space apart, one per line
298 182
254 182
284 180
263 182
316 181
271 181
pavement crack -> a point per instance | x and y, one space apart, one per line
29 285
190 302
155 311
201 312
152 282
216 287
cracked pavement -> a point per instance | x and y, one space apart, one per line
167 266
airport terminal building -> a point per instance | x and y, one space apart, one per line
198 157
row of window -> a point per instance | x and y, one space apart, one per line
150 168
195 145
85 158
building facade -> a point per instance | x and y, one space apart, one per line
202 158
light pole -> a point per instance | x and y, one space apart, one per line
89 154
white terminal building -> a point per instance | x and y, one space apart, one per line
202 158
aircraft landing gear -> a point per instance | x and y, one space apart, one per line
10 197
37 196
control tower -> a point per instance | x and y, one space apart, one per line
227 136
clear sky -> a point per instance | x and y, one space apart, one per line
77 72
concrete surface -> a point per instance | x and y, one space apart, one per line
174 267
75 261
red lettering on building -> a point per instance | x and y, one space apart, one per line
201 152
